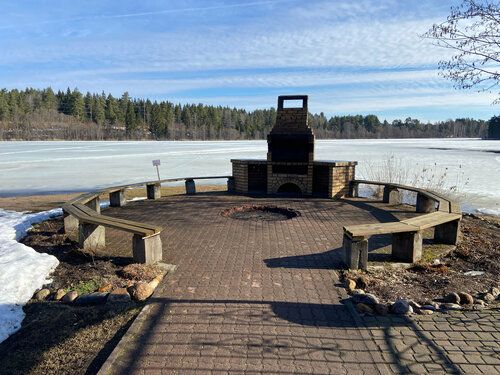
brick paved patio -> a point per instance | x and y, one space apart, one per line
263 297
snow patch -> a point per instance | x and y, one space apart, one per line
22 269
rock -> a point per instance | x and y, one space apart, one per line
451 306
368 299
105 288
41 295
487 297
362 282
479 302
495 292
382 309
59 294
415 305
358 291
425 312
478 306
91 299
429 307
401 306
140 291
119 295
465 298
432 303
69 297
452 298
364 308
350 285
155 282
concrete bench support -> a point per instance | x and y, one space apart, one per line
425 204
94 204
447 233
70 223
353 189
117 198
407 246
355 253
153 191
391 195
148 249
190 186
231 187
91 236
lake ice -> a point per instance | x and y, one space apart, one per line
27 168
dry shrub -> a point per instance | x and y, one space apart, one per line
142 272
426 267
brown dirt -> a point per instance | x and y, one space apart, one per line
479 250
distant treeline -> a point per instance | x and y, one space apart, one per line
43 115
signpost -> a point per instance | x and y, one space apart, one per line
156 163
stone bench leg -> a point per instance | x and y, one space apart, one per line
95 204
148 249
153 191
355 253
91 236
447 233
231 184
117 198
353 189
407 247
425 204
391 195
71 224
190 186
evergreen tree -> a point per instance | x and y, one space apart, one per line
494 128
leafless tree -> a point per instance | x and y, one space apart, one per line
472 30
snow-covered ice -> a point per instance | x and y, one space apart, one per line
22 269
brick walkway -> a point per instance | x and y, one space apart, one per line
263 297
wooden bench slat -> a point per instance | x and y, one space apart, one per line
432 219
363 230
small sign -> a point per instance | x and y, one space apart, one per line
156 163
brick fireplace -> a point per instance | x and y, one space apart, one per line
290 166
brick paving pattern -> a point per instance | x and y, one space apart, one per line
263 297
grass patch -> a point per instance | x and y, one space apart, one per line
86 287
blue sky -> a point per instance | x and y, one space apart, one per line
350 57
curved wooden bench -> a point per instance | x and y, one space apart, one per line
84 213
406 234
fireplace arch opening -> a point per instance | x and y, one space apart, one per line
290 188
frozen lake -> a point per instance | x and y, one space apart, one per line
27 168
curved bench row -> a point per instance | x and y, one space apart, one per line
84 213
441 213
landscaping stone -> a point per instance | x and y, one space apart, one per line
119 295
155 282
430 307
495 292
432 303
362 282
452 298
140 291
357 291
69 297
105 288
350 285
425 312
479 302
41 295
59 294
465 298
478 306
487 297
364 308
367 298
415 305
451 306
382 309
401 306
91 299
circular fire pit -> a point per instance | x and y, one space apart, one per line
260 213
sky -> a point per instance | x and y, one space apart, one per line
349 56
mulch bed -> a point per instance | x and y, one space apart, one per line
479 250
